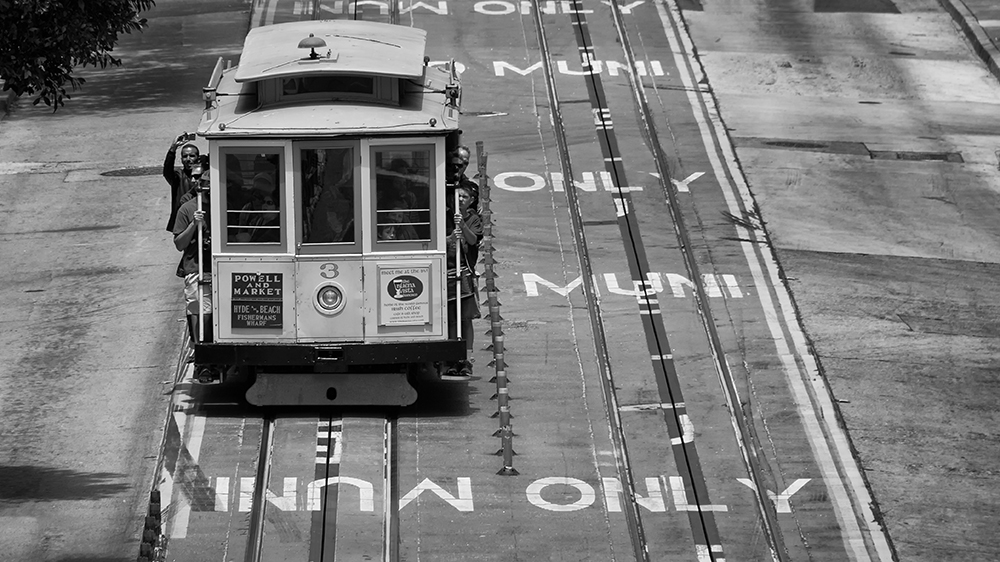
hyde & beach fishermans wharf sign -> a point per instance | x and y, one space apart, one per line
257 300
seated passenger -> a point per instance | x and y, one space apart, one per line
237 194
394 184
331 212
261 218
393 225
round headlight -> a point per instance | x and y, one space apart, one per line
330 298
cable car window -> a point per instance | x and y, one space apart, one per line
327 177
253 197
333 84
402 194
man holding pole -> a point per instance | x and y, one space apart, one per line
191 232
181 182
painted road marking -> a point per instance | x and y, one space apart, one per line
682 185
180 470
195 437
680 286
687 430
652 502
681 500
780 500
297 495
329 432
597 67
463 502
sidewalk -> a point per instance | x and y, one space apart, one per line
980 21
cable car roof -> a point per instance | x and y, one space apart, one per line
424 109
355 47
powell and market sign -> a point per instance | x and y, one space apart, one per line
257 300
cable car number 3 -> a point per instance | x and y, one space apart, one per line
329 271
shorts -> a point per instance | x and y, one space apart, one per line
191 293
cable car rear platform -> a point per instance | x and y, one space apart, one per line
327 375
383 353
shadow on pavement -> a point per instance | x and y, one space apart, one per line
40 483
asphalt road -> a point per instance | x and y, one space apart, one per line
92 331
891 259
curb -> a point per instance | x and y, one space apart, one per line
981 42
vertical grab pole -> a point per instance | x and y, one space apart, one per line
201 267
458 268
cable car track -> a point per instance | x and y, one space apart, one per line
704 528
267 519
311 513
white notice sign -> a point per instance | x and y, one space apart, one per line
404 296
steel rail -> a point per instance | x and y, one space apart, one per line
319 549
704 528
255 534
390 474
622 463
745 437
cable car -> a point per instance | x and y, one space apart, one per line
328 148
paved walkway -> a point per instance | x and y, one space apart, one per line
980 21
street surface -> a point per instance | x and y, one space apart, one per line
847 148
90 341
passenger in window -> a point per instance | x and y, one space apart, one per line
237 194
261 220
330 211
395 185
393 225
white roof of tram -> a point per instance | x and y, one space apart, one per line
356 47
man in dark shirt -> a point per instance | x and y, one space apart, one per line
458 161
180 182
192 216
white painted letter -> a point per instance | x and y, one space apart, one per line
287 501
681 502
611 280
441 10
365 491
534 493
563 66
535 182
687 430
548 8
677 283
655 503
732 286
532 281
626 8
504 8
781 504
462 503
588 183
711 285
383 8
499 66
222 493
